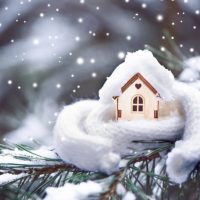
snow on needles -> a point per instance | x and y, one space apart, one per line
73 192
7 178
21 156
146 64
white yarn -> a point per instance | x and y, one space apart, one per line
76 146
87 136
186 154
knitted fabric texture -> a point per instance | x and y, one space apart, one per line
87 136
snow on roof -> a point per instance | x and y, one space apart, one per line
143 62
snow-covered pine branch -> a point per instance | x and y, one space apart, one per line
30 172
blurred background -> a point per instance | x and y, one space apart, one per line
53 53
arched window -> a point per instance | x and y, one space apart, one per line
138 104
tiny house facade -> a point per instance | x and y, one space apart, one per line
138 99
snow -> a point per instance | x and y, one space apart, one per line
7 178
38 157
34 126
157 189
120 190
141 61
31 127
73 192
129 196
189 75
20 157
191 69
125 195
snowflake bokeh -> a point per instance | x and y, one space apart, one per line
64 50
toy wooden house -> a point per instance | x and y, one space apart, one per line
138 99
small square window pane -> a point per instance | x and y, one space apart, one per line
140 108
134 108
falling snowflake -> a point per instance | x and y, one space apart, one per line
128 37
35 85
159 17
41 14
144 5
36 41
80 20
77 38
121 55
94 74
92 60
58 85
80 61
10 82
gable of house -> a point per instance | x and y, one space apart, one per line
137 88
134 78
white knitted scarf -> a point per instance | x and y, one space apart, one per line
87 135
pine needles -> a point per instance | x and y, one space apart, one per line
173 61
25 173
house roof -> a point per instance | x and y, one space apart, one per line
134 78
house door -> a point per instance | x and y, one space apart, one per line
138 105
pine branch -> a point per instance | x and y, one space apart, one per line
33 170
122 175
42 170
167 58
112 188
172 60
